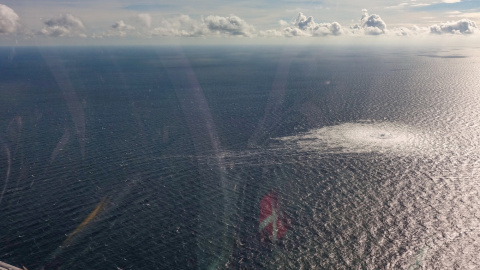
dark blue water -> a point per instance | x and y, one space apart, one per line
157 158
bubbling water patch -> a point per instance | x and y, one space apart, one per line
363 137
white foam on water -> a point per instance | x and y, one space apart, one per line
361 137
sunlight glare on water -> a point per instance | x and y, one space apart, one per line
363 136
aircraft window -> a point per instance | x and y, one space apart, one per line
239 135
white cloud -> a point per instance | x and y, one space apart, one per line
134 26
181 26
464 26
143 25
63 25
304 26
145 19
408 31
283 23
271 33
231 25
368 25
371 24
9 20
119 29
398 6
309 26
294 32
121 26
466 15
185 26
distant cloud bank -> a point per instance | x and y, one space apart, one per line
213 25
142 26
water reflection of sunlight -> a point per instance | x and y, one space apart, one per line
361 137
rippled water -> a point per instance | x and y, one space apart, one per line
363 137
373 154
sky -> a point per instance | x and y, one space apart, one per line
121 22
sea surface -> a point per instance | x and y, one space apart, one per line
158 157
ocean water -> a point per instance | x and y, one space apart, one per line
158 158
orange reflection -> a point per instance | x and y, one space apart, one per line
100 207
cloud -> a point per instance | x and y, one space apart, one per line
310 27
185 26
408 31
371 24
9 20
294 32
464 26
283 23
121 26
145 19
180 26
448 5
271 33
63 25
304 26
134 26
119 29
139 25
232 25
